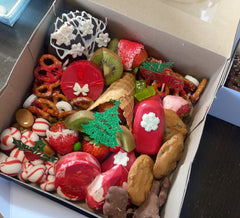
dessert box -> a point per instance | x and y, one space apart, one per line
226 104
188 58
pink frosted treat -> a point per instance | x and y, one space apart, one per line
177 104
29 138
11 166
36 173
49 184
24 172
40 126
18 154
7 138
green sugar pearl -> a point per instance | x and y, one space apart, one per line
77 146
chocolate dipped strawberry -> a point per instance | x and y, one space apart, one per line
148 125
74 172
62 139
131 53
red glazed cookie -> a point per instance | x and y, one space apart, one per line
82 78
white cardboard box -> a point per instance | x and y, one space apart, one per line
139 23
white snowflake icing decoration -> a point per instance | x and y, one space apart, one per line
77 50
121 158
86 27
102 40
78 27
150 122
64 34
80 90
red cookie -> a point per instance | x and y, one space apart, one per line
82 78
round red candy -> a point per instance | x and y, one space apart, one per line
82 78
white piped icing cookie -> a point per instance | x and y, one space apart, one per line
76 34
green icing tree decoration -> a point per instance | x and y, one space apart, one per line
103 130
37 149
156 66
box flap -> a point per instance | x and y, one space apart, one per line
177 22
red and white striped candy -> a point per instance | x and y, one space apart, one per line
24 173
37 162
11 166
18 154
7 138
29 138
49 184
2 157
36 173
40 126
51 167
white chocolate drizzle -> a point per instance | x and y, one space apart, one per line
78 33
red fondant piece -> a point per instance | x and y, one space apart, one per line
82 72
148 142
74 172
126 159
98 189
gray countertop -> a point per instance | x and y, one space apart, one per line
13 39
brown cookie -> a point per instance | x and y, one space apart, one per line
173 125
168 155
140 179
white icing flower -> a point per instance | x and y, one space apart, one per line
150 122
78 90
77 50
86 27
102 40
64 34
121 158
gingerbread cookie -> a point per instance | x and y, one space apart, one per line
168 155
140 179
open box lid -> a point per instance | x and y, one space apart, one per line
210 24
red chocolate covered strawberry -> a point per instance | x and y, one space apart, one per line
131 53
98 151
61 138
